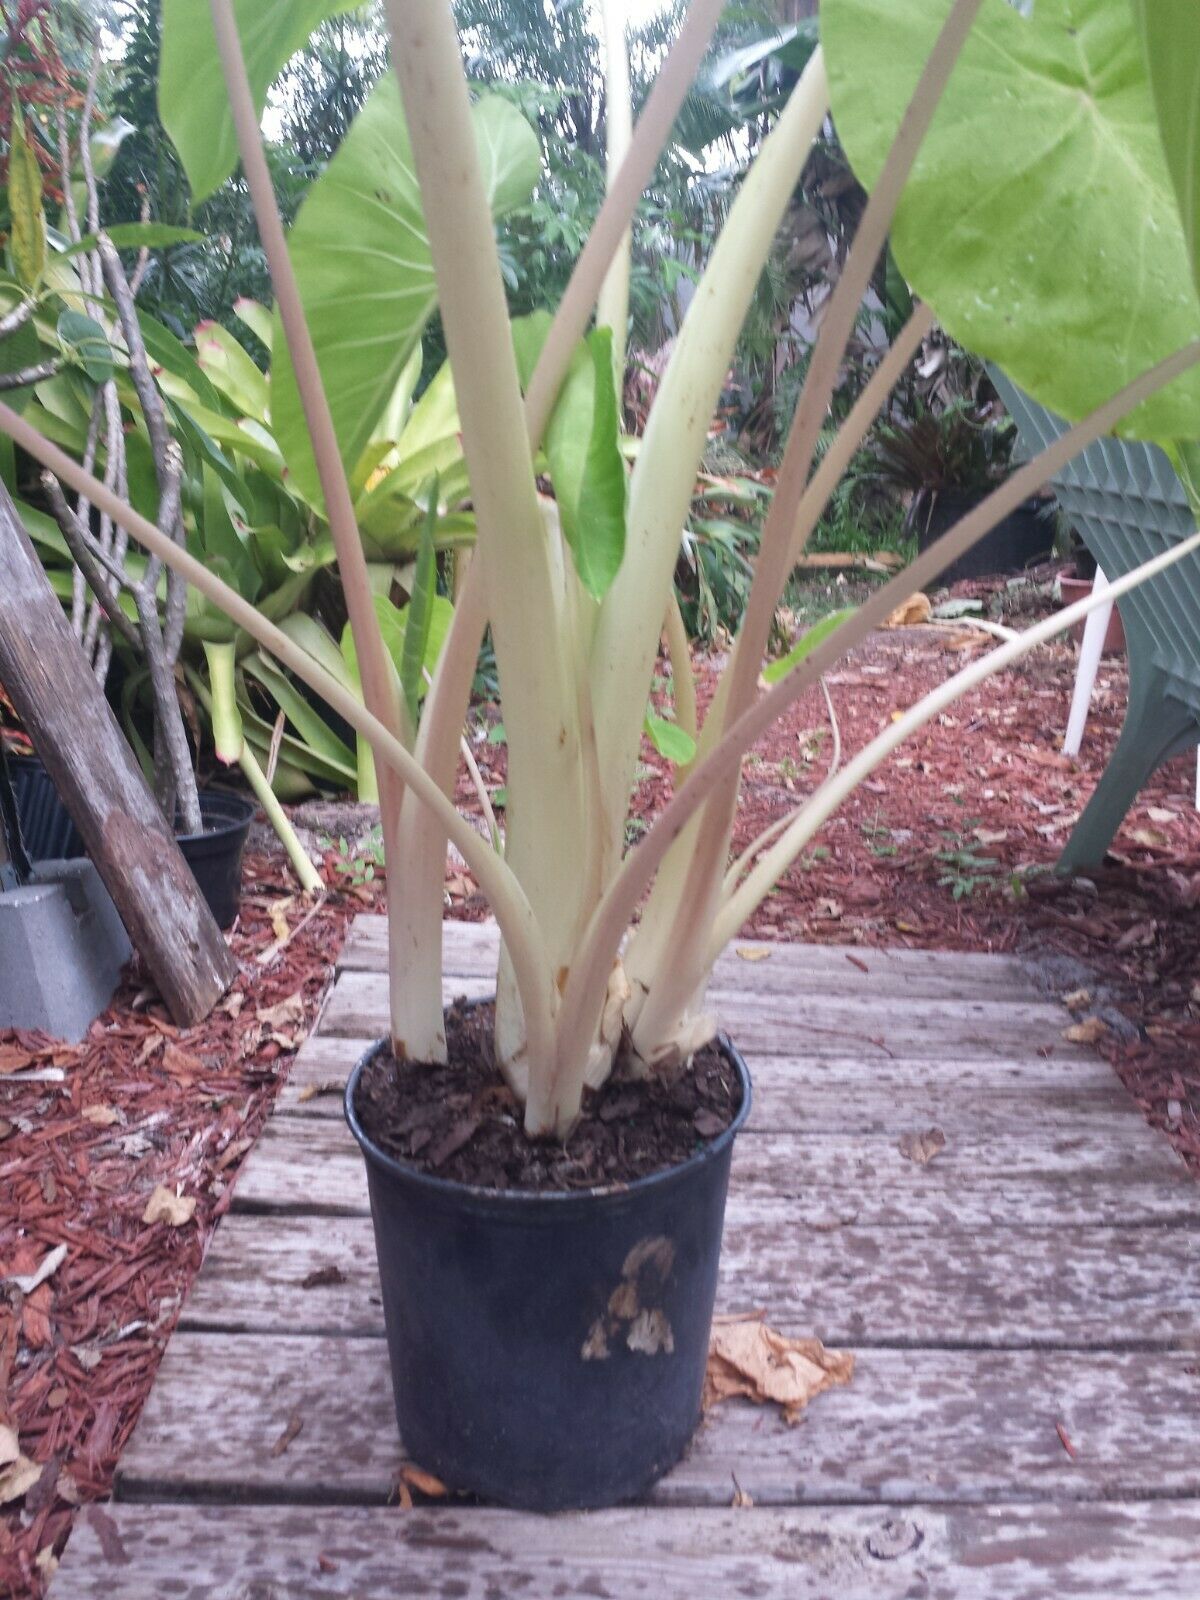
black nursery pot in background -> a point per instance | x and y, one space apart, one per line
1025 536
548 1350
215 856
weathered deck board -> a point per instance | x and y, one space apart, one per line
913 1426
847 1094
831 1179
1072 1288
1025 1309
470 951
880 1026
1137 1552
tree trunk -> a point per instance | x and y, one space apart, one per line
77 737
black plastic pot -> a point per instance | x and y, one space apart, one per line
1025 536
215 856
548 1350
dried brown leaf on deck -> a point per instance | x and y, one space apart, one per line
922 1148
748 1359
1090 1031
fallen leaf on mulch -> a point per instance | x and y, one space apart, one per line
28 1282
916 609
286 1014
10 1449
921 1148
423 1482
1077 1000
100 1116
746 1358
17 1479
176 1210
1090 1031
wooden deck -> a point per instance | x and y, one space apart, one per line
1024 1420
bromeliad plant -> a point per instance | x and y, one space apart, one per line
577 589
585 1381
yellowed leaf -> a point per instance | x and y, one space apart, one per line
10 1447
1078 999
916 609
295 1424
46 1561
751 952
921 1148
311 1091
1150 838
423 1482
906 927
1090 1031
279 922
100 1116
176 1210
748 1359
285 1013
1161 815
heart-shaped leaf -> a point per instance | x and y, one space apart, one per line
1039 220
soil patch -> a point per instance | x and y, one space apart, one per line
461 1121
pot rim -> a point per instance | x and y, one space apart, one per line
513 1200
228 801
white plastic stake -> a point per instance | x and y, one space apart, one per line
1094 630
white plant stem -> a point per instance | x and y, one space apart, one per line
683 974
664 474
768 871
522 568
504 893
583 994
310 878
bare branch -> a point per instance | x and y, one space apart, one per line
90 559
30 375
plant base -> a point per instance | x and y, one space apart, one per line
548 1349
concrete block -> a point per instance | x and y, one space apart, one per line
62 947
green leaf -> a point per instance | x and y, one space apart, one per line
223 549
669 739
90 343
806 644
136 236
582 445
1040 220
28 220
362 259
420 613
310 726
1175 84
256 317
231 370
20 350
192 100
173 356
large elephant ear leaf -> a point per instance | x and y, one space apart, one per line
1168 30
361 254
192 100
1039 220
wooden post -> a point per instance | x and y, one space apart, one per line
77 737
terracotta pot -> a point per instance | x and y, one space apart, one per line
1073 589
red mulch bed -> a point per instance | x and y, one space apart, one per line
87 1134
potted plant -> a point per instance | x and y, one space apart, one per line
944 463
548 1289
